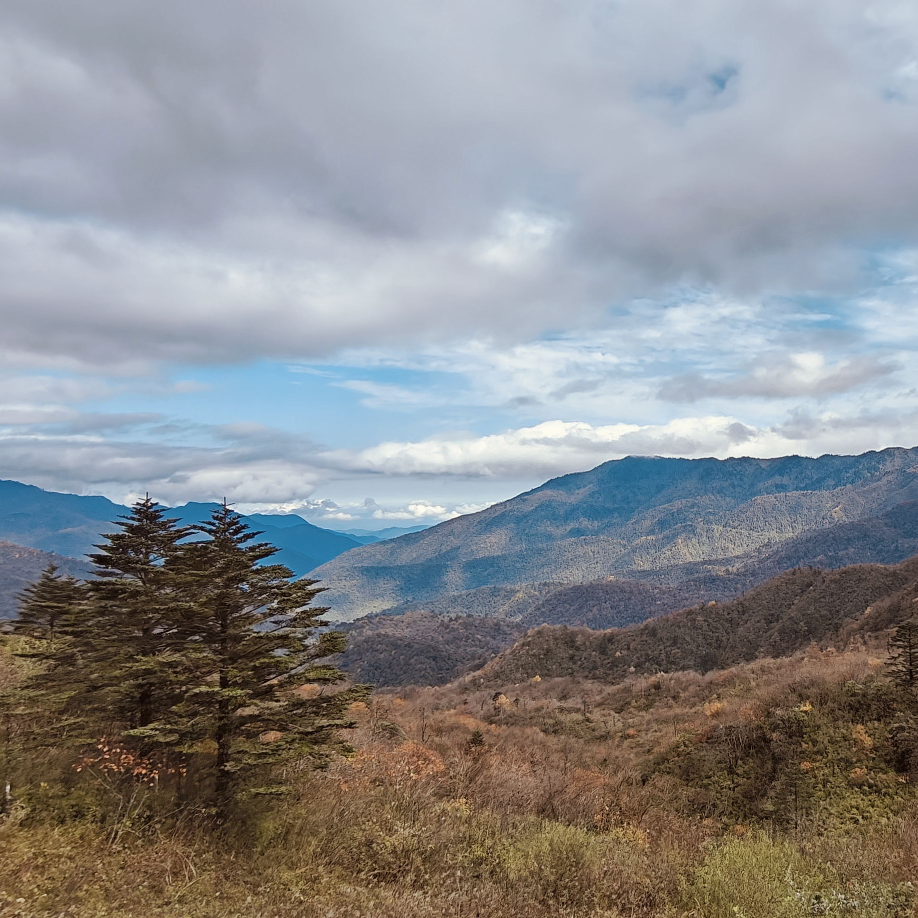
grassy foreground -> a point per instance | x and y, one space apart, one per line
779 788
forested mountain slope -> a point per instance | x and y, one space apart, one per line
777 618
888 538
666 520
421 648
436 640
432 643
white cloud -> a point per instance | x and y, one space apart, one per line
417 510
559 447
552 447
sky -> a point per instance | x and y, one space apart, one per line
386 263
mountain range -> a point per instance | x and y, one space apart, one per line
434 642
631 540
38 526
606 631
663 521
70 525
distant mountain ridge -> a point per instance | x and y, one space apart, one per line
301 545
70 525
655 519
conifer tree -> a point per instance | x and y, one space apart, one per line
137 609
53 620
260 693
903 647
47 607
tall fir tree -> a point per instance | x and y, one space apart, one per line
261 694
199 647
903 661
138 609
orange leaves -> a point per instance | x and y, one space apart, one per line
713 708
114 759
858 776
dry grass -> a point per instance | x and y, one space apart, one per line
570 806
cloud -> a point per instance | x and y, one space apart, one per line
119 456
376 394
209 182
553 447
421 511
696 345
559 447
897 425
796 375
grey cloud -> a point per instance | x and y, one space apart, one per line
119 454
576 387
779 378
897 426
740 433
217 181
523 401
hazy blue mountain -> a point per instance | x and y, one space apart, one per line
70 525
662 520
302 545
62 523
276 520
364 539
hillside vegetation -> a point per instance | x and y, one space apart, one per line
437 641
780 617
421 648
776 789
430 644
664 520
